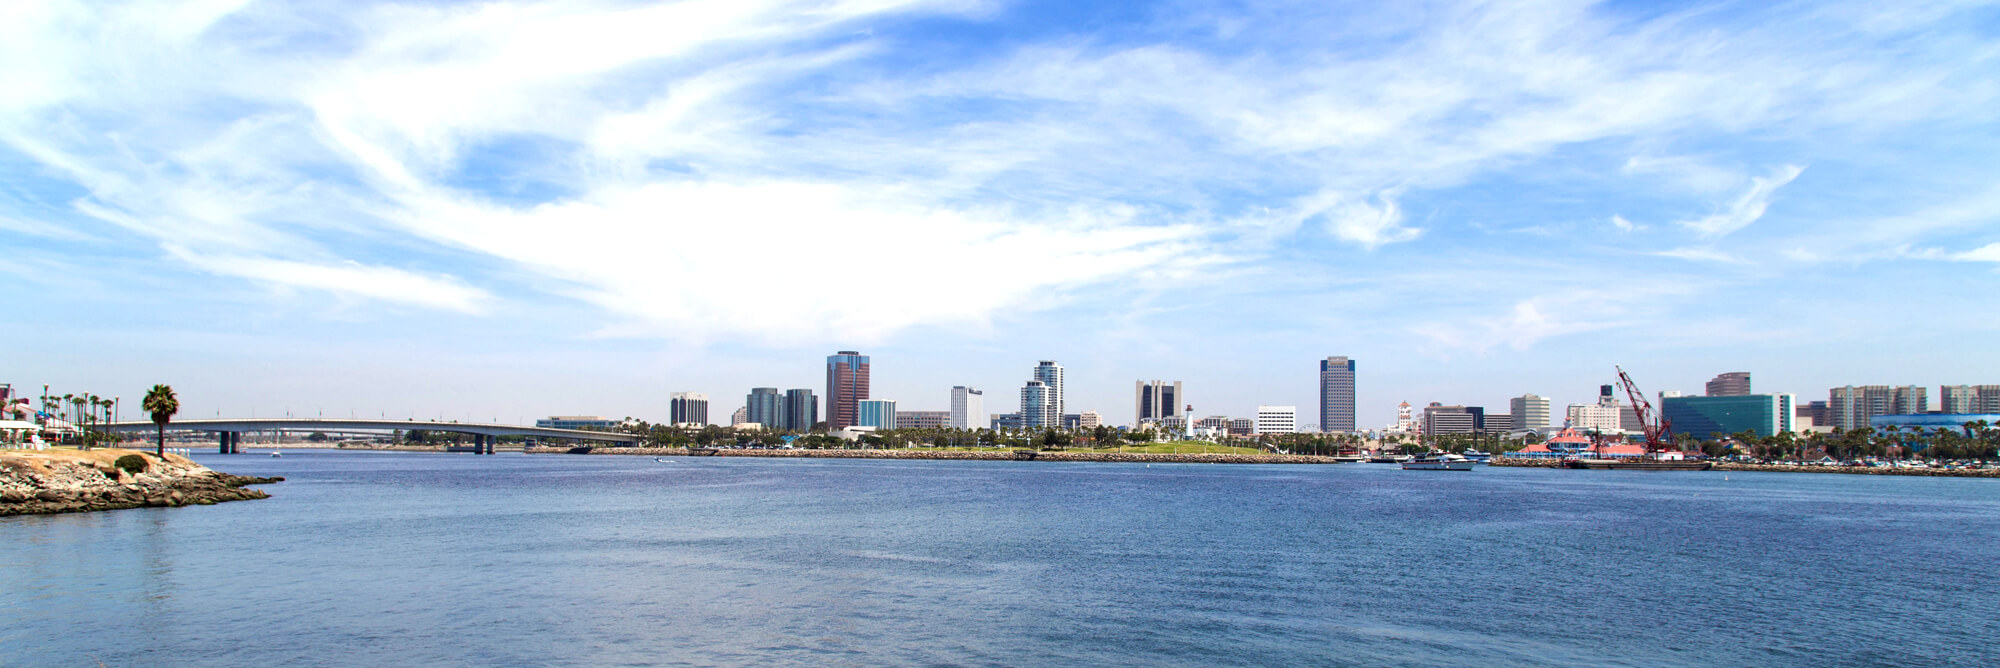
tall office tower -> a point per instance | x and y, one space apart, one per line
741 416
1732 384
1336 395
801 410
688 408
1051 374
1277 419
1529 412
846 386
968 408
1038 406
1156 401
877 413
766 407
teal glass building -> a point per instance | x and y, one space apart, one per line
1763 414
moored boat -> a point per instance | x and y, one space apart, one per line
1640 464
1438 462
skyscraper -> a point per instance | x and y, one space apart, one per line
688 408
1336 395
1851 406
1529 412
846 386
1038 406
1156 401
968 408
766 407
1732 384
801 410
1051 374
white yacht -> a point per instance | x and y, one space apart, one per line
1438 462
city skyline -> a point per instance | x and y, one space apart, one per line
518 210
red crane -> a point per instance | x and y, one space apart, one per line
1654 423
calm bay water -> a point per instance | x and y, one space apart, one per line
404 558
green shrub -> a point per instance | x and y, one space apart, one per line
131 463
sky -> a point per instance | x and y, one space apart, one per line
505 210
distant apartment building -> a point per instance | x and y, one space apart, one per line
688 408
740 417
1051 375
923 419
1216 422
1529 411
1496 424
576 422
1242 427
1813 414
1336 395
846 387
1701 417
1969 399
1153 400
1441 420
1277 419
968 406
1038 409
801 410
1732 384
1089 420
766 407
877 413
1851 407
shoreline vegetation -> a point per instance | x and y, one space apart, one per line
42 482
1788 468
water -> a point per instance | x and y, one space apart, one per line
406 559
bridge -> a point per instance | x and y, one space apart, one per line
229 432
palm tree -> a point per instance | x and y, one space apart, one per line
162 404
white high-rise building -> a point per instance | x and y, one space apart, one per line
1051 374
1277 419
968 408
1037 406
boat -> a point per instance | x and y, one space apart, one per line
1477 456
1438 462
275 453
1639 464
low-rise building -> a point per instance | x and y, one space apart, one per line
923 419
576 422
1704 416
1277 419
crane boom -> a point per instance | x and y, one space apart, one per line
1654 423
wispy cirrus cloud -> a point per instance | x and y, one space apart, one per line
411 153
1747 207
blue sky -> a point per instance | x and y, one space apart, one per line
510 209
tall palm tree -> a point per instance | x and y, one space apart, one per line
162 404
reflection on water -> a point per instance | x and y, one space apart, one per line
406 558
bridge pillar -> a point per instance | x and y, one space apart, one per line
490 442
222 442
235 442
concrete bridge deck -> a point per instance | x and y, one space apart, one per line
485 434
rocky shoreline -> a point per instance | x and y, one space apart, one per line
48 482
1779 468
1039 456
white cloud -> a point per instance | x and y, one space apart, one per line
1746 208
1622 224
348 280
1355 220
1987 253
1700 254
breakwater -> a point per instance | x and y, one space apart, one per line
978 455
1787 468
45 482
